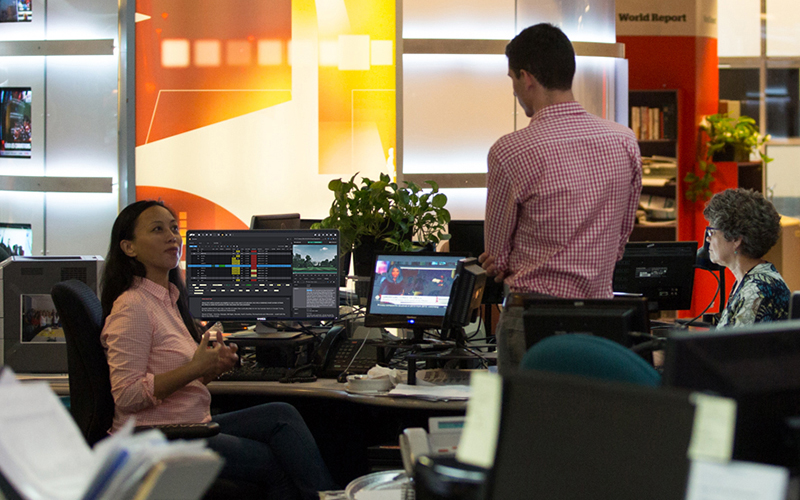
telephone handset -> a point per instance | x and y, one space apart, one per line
335 353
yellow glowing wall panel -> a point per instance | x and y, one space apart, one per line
357 112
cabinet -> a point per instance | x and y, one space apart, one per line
653 116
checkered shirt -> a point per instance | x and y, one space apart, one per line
562 199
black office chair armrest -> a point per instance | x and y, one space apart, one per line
183 431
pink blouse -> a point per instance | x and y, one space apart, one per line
144 335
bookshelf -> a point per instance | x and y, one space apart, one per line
653 117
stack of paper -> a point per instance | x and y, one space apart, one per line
44 456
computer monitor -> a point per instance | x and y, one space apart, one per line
16 11
466 295
757 365
307 223
15 239
263 275
15 122
614 319
410 290
275 221
466 236
31 337
567 437
661 271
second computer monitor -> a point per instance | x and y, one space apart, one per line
466 236
663 272
275 221
410 290
614 319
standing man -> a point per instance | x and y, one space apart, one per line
562 192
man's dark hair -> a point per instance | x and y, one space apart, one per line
545 52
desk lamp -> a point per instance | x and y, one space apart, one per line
704 262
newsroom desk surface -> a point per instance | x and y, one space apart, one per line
322 388
351 430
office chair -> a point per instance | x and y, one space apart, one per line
590 356
91 402
794 306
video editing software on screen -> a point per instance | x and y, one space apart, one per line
263 275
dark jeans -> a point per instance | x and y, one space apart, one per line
270 445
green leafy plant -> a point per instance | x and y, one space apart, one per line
723 132
386 211
417 213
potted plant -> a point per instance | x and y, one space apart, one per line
380 214
729 139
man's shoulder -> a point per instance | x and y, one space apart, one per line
516 142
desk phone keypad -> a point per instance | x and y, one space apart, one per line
366 358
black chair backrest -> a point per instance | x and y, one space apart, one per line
794 306
91 403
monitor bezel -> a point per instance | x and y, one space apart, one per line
686 285
725 362
639 304
404 321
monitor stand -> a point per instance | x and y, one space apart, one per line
262 330
457 351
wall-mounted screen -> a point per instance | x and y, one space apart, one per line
15 113
16 11
15 239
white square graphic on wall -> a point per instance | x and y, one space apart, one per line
354 52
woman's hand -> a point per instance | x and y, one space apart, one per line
213 361
206 364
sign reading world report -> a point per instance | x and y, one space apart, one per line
673 18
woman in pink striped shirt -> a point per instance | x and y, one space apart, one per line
160 363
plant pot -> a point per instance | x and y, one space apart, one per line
731 153
344 268
363 260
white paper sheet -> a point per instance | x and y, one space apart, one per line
42 452
432 392
479 439
714 426
736 481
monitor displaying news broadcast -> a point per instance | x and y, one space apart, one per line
16 11
15 120
412 284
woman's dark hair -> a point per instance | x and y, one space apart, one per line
545 52
746 214
120 270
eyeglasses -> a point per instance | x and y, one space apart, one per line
710 231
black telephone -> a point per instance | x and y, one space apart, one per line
334 355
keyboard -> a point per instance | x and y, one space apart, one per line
254 373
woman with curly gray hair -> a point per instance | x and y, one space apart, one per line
743 226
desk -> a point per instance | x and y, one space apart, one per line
351 430
345 426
